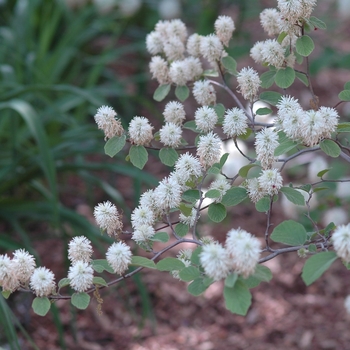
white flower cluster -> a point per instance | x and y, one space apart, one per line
105 120
240 255
20 271
184 256
176 57
307 127
107 218
266 141
341 242
248 83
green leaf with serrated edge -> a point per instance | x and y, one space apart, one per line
243 172
344 95
270 97
263 205
168 156
182 92
191 196
142 261
197 287
330 148
323 172
312 248
317 23
217 212
261 274
219 110
306 187
80 300
195 256
185 209
246 134
285 77
234 196
343 127
285 147
347 85
213 194
64 282
289 232
238 299
230 64
214 170
281 37
41 305
267 79
181 229
263 111
100 281
189 274
98 263
302 77
114 145
161 92
210 73
223 159
170 264
316 265
191 125
6 293
293 195
138 156
160 237
304 45
231 279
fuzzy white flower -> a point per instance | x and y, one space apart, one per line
271 21
254 190
79 248
248 83
205 118
204 93
341 242
119 257
188 166
215 261
23 265
107 217
244 251
184 256
105 120
270 181
143 233
221 185
266 141
174 49
294 10
159 69
273 53
42 282
8 276
209 149
224 27
189 220
168 194
312 127
287 104
235 122
211 48
140 131
81 275
154 43
174 112
162 28
177 28
142 215
256 52
330 116
193 67
194 45
178 73
170 135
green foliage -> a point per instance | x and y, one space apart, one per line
197 287
270 97
344 95
189 273
285 77
100 265
234 196
141 261
263 205
330 148
216 212
115 145
267 79
138 156
304 45
181 229
293 195
230 65
289 232
99 281
182 92
261 274
243 172
170 264
168 156
80 300
316 265
343 127
41 305
161 92
285 146
160 237
238 298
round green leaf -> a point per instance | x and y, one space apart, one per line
99 281
138 156
160 237
230 64
234 196
195 256
189 273
80 300
267 79
263 111
343 127
161 92
330 148
168 156
213 194
243 172
182 92
261 274
197 287
216 212
285 77
114 145
238 298
270 97
293 195
304 45
181 229
144 262
289 232
219 110
263 205
231 279
41 306
170 264
317 23
100 265
63 282
344 95
191 196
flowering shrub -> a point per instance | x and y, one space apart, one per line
169 214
